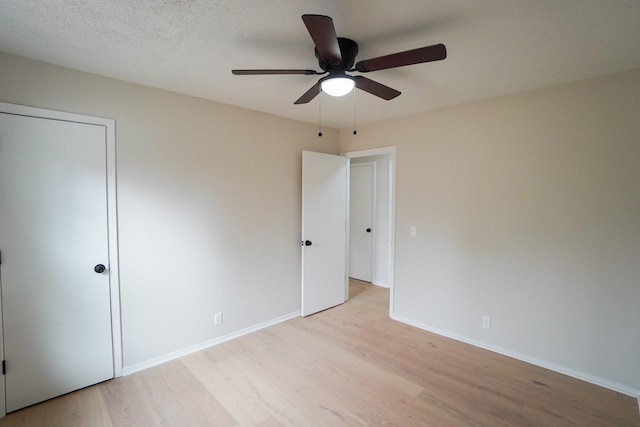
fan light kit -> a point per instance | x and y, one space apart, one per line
336 56
337 86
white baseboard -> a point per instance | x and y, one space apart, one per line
620 388
379 283
128 370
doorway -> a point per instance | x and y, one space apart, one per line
383 222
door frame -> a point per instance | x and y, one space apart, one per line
392 212
112 225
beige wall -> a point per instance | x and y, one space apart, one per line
208 200
528 211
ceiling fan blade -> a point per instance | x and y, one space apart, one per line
323 33
309 95
435 52
375 88
261 72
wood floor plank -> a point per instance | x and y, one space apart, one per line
348 366
194 398
245 408
83 408
249 399
298 379
181 399
128 403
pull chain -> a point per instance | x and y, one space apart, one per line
320 115
354 112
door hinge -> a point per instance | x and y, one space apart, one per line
4 367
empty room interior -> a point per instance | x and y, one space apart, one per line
195 231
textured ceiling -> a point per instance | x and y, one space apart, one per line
495 47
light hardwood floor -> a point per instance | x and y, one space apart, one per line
350 365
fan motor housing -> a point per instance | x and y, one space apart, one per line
348 51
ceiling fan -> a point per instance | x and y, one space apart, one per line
336 56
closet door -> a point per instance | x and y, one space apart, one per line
361 232
55 259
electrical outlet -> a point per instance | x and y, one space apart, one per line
217 319
486 322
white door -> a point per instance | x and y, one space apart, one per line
53 233
361 220
324 236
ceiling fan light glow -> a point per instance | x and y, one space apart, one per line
337 86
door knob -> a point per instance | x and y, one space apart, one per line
307 242
99 268
368 230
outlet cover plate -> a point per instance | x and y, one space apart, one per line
486 322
